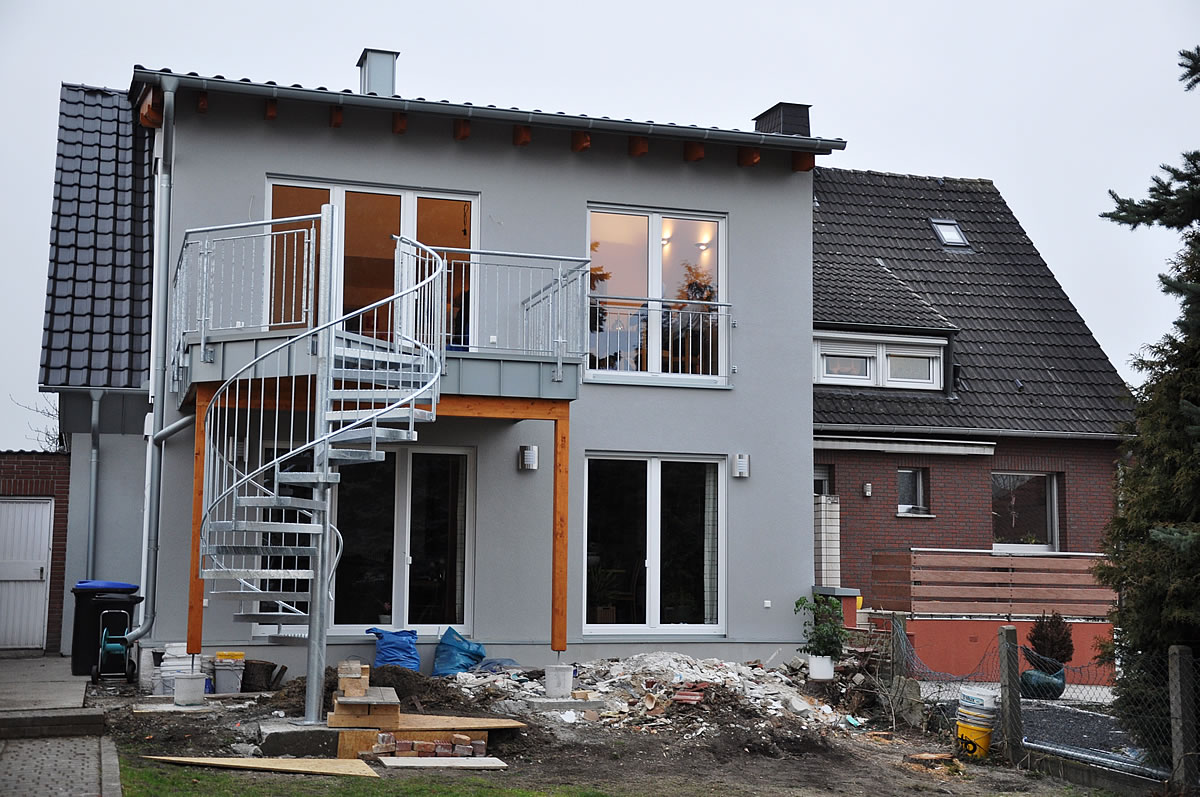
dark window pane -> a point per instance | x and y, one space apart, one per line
437 539
366 518
688 537
616 529
1019 509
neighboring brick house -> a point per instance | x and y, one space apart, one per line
960 402
33 547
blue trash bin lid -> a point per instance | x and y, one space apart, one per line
105 586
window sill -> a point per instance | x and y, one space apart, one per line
913 515
656 380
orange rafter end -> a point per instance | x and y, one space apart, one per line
202 102
693 151
638 146
803 161
272 109
580 140
748 156
399 123
462 129
522 135
335 116
150 111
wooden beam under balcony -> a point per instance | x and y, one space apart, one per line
462 129
638 146
399 123
271 110
195 623
693 151
522 135
580 140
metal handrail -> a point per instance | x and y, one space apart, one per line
657 299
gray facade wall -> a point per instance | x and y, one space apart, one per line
535 199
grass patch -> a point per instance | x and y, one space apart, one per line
141 778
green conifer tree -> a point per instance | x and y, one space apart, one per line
1153 542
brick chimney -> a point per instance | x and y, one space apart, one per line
784 117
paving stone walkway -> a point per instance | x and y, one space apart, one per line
39 767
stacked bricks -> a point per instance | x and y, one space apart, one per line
31 474
455 745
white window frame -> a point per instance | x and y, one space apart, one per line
1052 518
337 198
939 227
653 373
923 477
877 349
401 557
653 580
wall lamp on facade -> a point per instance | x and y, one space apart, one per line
741 466
702 246
527 458
866 489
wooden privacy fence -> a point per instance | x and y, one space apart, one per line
944 581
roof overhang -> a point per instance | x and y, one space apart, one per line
171 81
896 445
879 429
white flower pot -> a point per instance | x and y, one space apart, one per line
820 668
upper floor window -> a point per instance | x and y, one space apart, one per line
656 296
877 361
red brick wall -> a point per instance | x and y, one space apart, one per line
960 497
27 474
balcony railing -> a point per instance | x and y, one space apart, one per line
967 582
633 334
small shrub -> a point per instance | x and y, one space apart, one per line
1050 639
824 633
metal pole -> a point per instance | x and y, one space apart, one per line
314 695
1010 694
1185 769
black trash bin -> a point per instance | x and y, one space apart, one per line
91 598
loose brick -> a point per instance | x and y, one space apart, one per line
479 747
424 747
459 738
463 750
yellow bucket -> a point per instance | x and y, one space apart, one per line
230 655
973 741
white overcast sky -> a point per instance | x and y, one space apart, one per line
1054 101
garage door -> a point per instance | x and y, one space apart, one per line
24 571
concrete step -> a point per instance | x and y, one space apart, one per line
51 722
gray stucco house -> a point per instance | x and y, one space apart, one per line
492 369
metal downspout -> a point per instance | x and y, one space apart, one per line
162 283
89 569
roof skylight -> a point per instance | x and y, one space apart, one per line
948 232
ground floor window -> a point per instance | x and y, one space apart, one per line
912 491
1025 510
655 544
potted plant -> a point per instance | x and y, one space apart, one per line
824 634
1052 647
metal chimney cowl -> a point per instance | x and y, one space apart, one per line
377 72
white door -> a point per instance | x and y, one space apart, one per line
24 571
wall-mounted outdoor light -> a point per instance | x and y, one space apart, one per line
866 489
741 466
527 458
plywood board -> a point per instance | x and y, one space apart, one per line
306 766
433 722
376 695
482 762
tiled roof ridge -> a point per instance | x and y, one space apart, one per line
904 176
89 87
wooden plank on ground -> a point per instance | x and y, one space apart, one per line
375 696
433 722
306 766
481 762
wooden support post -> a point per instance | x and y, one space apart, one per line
580 140
522 135
271 110
335 116
195 626
399 123
748 156
1010 694
202 102
462 129
1185 769
693 151
803 161
638 146
562 478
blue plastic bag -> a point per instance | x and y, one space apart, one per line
396 647
456 654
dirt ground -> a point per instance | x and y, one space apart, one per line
722 745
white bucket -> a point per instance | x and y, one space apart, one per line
227 678
820 668
978 697
189 688
559 679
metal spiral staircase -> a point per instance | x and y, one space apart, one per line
279 428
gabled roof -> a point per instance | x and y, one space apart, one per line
96 331
1028 362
